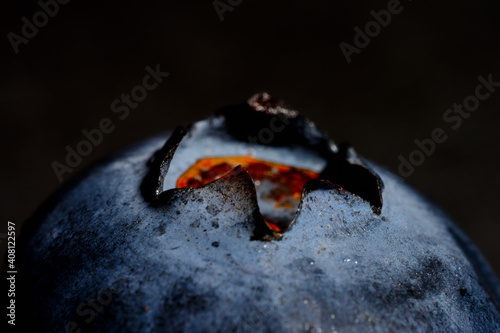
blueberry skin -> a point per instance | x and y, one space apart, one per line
190 266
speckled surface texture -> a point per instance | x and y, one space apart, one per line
190 266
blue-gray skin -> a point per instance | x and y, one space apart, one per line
103 258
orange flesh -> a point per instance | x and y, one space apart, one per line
287 182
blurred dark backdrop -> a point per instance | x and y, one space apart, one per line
393 92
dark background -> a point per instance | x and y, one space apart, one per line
395 91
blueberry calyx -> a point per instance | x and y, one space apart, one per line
236 127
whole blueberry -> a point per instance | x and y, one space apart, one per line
250 221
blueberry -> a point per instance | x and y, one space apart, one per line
250 221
